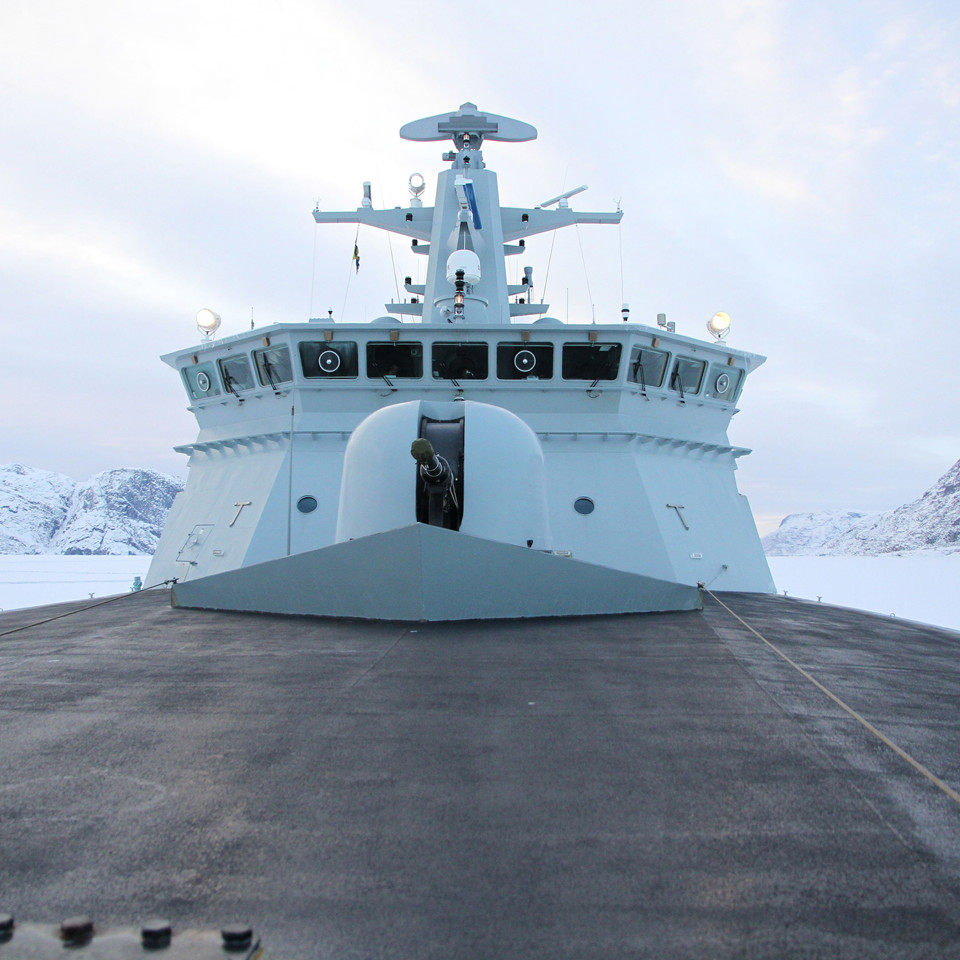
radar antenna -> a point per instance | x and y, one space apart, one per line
468 128
564 197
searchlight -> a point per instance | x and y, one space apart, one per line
208 322
719 325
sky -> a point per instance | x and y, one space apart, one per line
796 164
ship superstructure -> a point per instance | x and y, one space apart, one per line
564 467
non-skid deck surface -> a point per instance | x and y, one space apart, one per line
655 785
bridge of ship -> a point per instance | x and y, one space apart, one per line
395 357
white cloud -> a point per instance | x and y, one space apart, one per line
769 182
89 254
272 85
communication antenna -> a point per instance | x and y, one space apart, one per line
668 325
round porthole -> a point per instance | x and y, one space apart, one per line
722 383
203 382
583 505
307 504
524 360
329 361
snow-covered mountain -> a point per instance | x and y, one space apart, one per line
930 523
802 534
115 512
33 506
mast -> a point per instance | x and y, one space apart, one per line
468 234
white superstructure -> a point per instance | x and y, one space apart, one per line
602 442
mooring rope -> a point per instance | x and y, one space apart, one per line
89 606
866 724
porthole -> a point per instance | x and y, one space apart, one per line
307 504
722 383
583 505
203 382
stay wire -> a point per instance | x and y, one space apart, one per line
586 274
313 266
393 264
620 244
866 724
553 240
546 276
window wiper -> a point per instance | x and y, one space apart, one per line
228 382
268 370
638 372
443 369
678 385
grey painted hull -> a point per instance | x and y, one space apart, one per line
420 573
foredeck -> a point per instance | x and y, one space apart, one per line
656 785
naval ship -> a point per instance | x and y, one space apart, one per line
472 653
535 443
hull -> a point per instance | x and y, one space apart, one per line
423 573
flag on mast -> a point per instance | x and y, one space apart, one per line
356 256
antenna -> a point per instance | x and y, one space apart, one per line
564 197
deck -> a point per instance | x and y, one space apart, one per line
653 785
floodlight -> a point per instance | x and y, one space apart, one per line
719 324
208 322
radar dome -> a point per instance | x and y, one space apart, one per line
468 262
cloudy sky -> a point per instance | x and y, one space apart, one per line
796 164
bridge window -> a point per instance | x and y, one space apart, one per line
201 381
647 366
723 382
395 360
524 361
687 375
460 361
236 373
591 361
273 366
329 358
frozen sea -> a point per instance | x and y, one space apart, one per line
30 581
921 587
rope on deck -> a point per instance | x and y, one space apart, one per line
866 724
89 606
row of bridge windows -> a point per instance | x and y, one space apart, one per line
456 361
